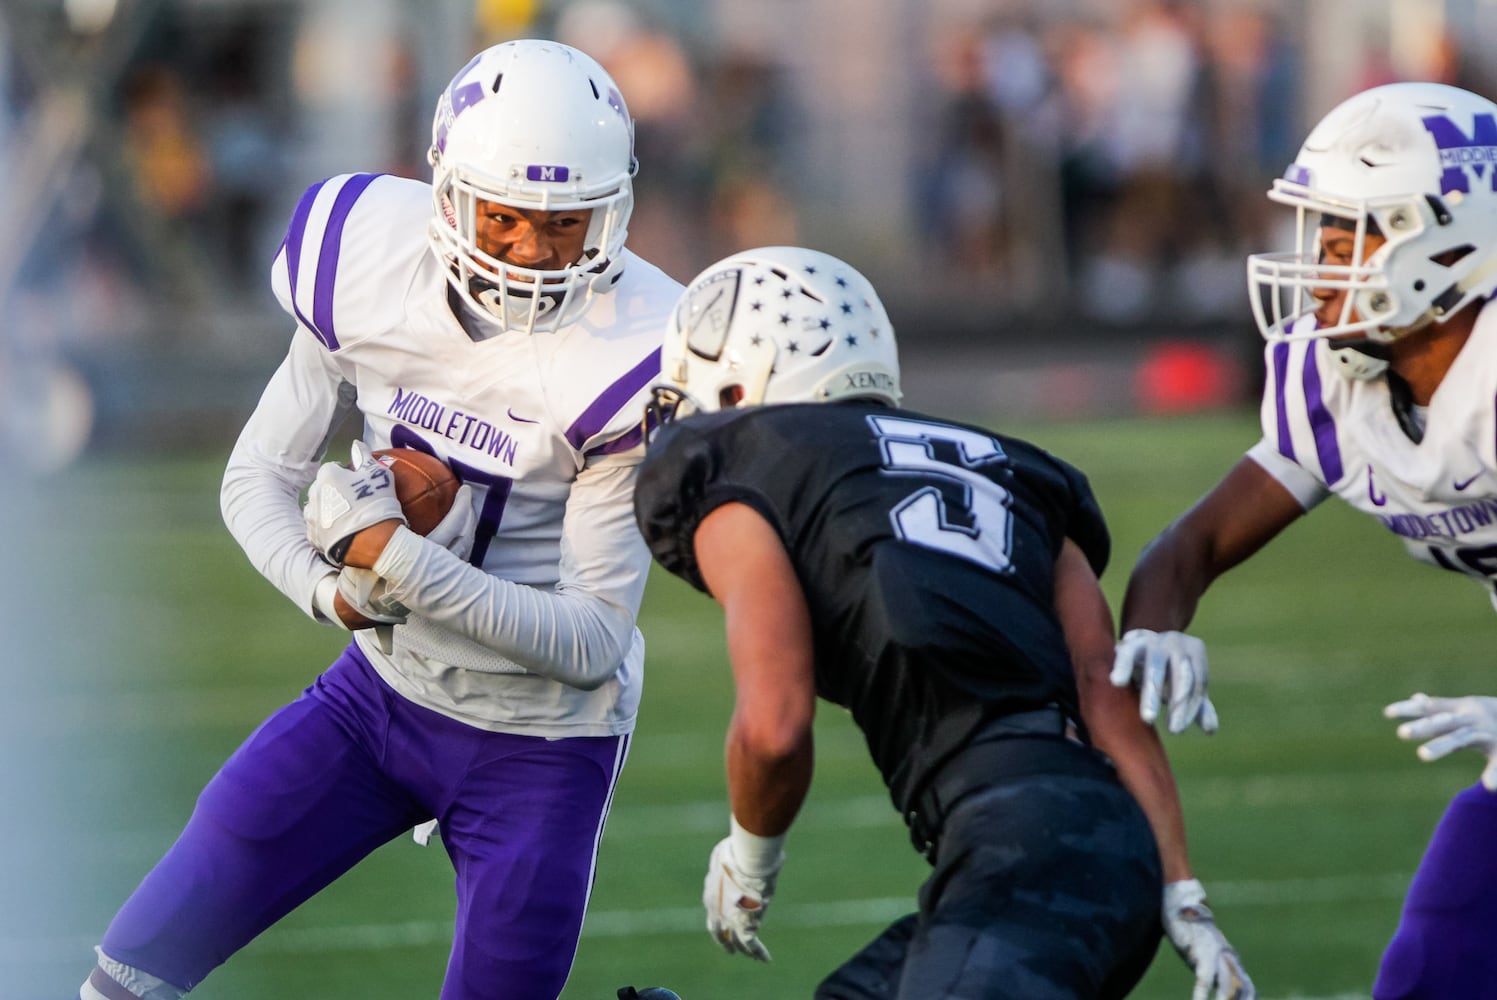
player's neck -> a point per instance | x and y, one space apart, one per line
1422 359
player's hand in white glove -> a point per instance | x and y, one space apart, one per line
1193 932
736 901
1167 667
367 592
343 501
1450 724
455 531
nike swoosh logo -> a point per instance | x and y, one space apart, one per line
1378 499
1461 484
521 420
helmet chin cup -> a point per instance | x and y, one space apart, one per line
1357 365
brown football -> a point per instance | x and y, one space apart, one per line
424 485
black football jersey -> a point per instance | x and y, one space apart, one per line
926 550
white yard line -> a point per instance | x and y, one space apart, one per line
673 920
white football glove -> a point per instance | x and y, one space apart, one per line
1450 724
1170 667
1193 932
342 501
736 902
368 593
455 531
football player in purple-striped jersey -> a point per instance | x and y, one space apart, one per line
493 318
1381 382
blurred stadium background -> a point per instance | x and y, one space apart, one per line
1055 200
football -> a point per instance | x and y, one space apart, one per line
424 485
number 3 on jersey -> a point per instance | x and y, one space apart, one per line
923 517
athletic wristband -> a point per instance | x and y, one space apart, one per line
322 601
756 856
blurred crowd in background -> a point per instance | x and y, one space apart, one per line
1070 169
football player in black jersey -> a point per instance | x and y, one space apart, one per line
940 582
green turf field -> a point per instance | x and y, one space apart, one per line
140 648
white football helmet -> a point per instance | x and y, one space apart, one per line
776 325
1415 163
534 125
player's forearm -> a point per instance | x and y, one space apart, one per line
1166 585
577 639
1135 748
767 784
1111 714
1241 514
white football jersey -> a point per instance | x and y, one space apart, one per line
1324 433
545 428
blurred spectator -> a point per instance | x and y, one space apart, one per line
166 157
246 150
751 133
1253 129
1153 142
963 186
1086 64
1021 83
650 65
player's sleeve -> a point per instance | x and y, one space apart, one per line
611 429
681 482
1304 487
1301 445
1084 523
275 458
350 249
577 633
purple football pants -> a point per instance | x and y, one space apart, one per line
347 767
1446 943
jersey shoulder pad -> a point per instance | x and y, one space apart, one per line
617 359
646 288
353 246
607 403
1304 400
1081 515
681 467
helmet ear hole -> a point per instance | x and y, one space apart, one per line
730 396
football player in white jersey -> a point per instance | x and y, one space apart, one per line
1381 381
494 319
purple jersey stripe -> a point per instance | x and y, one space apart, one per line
596 416
1321 421
292 243
626 441
327 260
1280 370
622 443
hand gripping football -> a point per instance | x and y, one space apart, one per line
424 485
